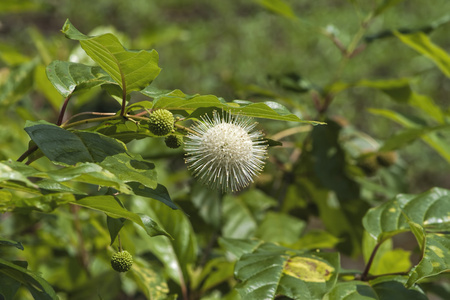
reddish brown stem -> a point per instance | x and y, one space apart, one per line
63 110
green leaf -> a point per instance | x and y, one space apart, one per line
69 148
272 270
160 193
354 290
429 209
69 77
208 204
7 242
150 279
215 272
113 208
132 70
114 226
316 239
131 168
279 7
422 44
435 260
181 251
280 228
44 86
199 105
18 83
38 287
239 247
42 203
241 213
393 287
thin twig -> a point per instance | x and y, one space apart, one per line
365 273
27 153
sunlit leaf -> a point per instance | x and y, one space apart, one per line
132 70
69 77
429 209
150 280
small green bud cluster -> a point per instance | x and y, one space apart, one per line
121 261
173 141
161 122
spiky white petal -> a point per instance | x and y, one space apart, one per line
225 152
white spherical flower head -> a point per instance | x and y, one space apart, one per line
225 152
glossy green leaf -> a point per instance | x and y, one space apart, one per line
69 77
11 243
436 257
429 209
131 168
241 213
67 147
150 280
160 193
111 207
18 83
178 253
354 290
279 7
38 287
270 271
199 105
422 44
280 228
132 70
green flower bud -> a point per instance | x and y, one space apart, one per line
121 261
161 122
173 141
386 159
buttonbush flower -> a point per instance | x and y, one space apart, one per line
225 152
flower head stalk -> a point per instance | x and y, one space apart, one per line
225 152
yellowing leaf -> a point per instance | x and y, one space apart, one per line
308 269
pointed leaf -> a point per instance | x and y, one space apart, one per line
69 148
429 209
198 105
132 70
114 226
160 193
69 77
111 207
7 242
176 254
278 6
